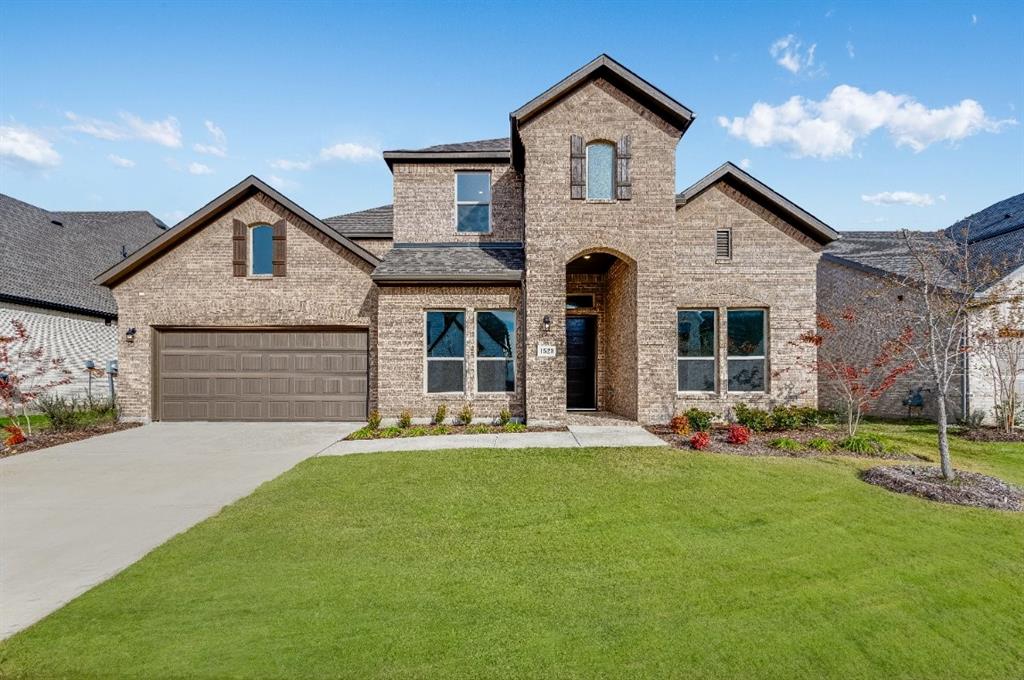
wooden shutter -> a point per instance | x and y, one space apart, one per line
280 254
623 182
238 254
577 158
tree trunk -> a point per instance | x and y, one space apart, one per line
946 463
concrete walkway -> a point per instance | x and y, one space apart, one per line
74 515
577 436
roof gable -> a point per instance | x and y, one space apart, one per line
248 187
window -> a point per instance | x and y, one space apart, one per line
579 301
600 171
261 250
446 351
695 335
473 202
746 332
723 244
496 351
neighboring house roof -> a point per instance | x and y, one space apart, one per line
454 262
764 196
480 151
372 223
50 257
249 186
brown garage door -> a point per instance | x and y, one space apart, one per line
261 375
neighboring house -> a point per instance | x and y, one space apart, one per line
49 261
553 270
854 269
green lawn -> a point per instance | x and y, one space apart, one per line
563 563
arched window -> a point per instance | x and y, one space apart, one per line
261 250
600 171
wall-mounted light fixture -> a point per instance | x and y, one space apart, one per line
547 323
129 335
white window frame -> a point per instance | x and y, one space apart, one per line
763 357
515 346
714 351
586 170
427 359
489 203
249 260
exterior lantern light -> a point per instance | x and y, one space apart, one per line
547 323
129 335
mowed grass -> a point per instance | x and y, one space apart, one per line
615 563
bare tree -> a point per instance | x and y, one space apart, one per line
26 373
997 343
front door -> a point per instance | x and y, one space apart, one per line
580 362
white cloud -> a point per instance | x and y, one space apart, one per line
830 127
849 49
974 19
22 145
199 169
121 162
219 147
282 182
284 164
898 198
788 52
356 153
745 163
164 132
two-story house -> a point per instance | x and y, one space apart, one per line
551 271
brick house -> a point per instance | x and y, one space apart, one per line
550 271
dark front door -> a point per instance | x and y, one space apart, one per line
580 361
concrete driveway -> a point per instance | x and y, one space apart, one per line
74 515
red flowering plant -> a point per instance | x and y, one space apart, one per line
738 434
26 373
700 441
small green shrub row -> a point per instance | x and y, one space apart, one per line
780 418
465 417
396 432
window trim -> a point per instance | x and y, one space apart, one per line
515 345
248 251
489 203
427 358
586 170
762 357
714 351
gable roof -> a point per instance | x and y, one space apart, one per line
51 256
763 195
999 218
372 223
249 186
481 151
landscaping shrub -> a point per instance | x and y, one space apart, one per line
362 433
821 444
779 418
405 419
102 409
504 417
756 419
862 444
417 431
373 419
786 444
514 427
389 432
680 425
13 435
738 434
62 412
479 428
700 420
439 429
785 418
466 415
440 414
700 441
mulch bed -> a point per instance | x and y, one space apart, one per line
44 439
758 444
991 434
967 488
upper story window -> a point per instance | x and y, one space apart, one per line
261 250
600 171
473 202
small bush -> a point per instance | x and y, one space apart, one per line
821 444
479 428
13 435
62 412
417 431
785 418
405 419
504 417
466 415
514 427
974 419
680 425
756 419
362 433
389 432
103 409
786 444
373 420
440 414
862 444
700 441
439 430
738 434
700 420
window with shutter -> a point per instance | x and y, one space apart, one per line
280 249
623 182
723 244
577 160
238 248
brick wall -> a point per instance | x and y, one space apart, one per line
192 285
377 246
622 339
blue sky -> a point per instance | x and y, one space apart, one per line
871 117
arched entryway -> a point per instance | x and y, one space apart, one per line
601 333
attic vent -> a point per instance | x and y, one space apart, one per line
723 244
57 222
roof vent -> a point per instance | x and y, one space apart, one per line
1007 216
124 251
57 222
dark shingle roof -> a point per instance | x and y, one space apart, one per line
995 220
482 150
373 223
500 144
433 262
50 258
882 251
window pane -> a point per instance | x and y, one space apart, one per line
746 375
600 170
697 376
579 301
474 218
444 376
262 250
495 376
473 186
746 333
446 332
495 334
695 333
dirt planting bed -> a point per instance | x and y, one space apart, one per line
760 443
967 488
991 434
44 439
